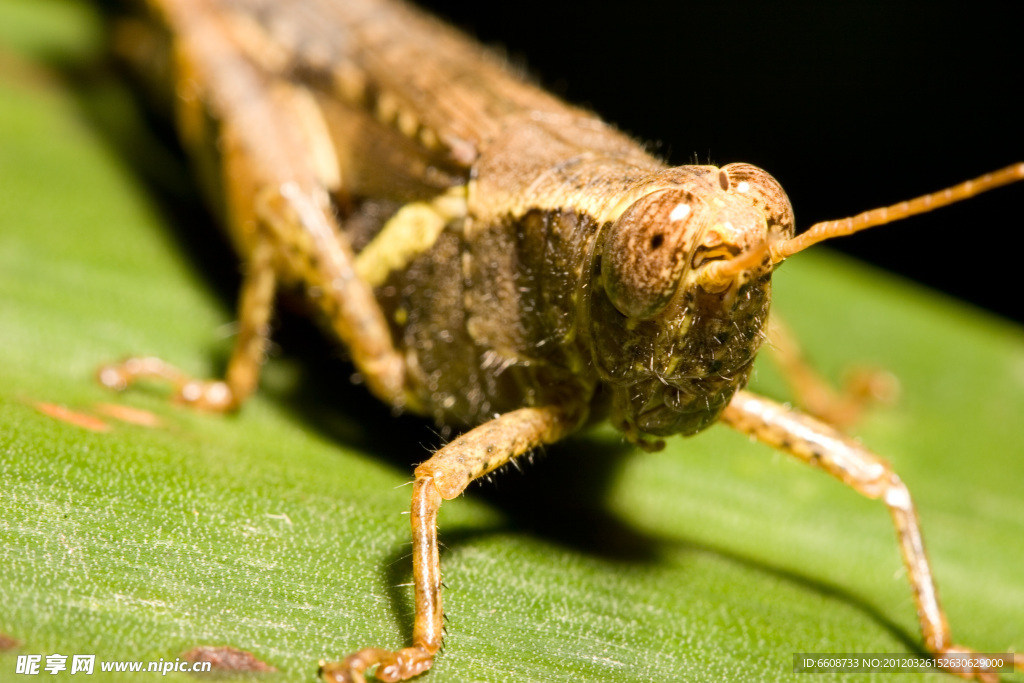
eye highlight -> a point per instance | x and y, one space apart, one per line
680 212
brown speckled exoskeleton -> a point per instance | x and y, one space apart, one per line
490 256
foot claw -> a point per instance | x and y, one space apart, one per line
959 652
391 666
869 385
211 395
112 377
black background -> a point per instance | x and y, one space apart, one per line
849 105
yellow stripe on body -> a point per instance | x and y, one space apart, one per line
410 232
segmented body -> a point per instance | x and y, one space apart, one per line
491 278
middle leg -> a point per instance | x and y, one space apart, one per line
838 406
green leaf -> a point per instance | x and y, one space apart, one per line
280 530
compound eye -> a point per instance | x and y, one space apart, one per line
764 192
645 252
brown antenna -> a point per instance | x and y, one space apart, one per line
717 275
819 232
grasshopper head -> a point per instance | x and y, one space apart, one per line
685 271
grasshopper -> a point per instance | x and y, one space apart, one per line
491 257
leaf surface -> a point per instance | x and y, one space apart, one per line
280 530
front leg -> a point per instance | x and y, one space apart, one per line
443 477
820 445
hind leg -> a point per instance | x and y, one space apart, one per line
274 159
